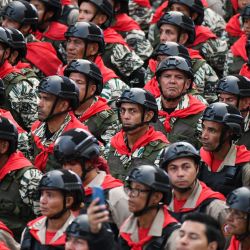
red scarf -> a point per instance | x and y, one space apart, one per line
111 36
153 87
40 52
22 65
245 71
5 228
152 64
107 73
3 246
119 144
195 107
41 159
242 155
159 12
66 2
235 5
6 69
202 35
194 54
125 23
16 161
234 244
233 27
238 48
143 3
139 245
109 182
97 107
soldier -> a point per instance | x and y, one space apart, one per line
60 193
226 164
57 97
85 41
19 181
148 188
181 161
137 140
21 97
179 112
93 110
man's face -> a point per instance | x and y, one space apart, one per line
182 172
181 8
9 23
192 236
246 26
75 48
243 3
74 166
173 83
168 33
211 133
4 53
228 99
41 9
87 11
73 243
244 106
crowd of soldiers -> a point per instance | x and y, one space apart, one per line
147 100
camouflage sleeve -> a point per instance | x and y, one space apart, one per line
228 61
149 75
24 144
106 150
154 34
24 100
158 157
28 188
139 43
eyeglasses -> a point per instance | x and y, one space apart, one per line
135 192
235 214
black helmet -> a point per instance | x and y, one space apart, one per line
141 97
195 6
178 150
8 132
171 49
87 68
21 12
240 199
17 41
87 31
226 115
76 144
4 37
63 180
245 14
55 4
234 84
62 87
181 21
176 62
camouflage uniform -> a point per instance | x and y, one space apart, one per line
4 2
233 64
217 6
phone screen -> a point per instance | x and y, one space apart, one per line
97 192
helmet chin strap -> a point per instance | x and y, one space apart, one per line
62 212
186 189
222 140
130 128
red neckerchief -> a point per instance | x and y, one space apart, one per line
242 155
233 27
245 71
206 193
5 228
119 144
139 245
153 87
195 107
99 106
152 64
40 52
107 73
109 182
238 48
234 244
204 3
34 232
66 2
235 5
41 159
202 35
111 36
159 12
16 161
143 3
3 246
125 23
6 69
22 65
8 115
194 54
60 69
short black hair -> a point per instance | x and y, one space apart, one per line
213 228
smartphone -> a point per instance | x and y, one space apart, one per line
97 192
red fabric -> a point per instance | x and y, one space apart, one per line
125 23
16 161
102 164
139 245
111 36
42 157
233 27
66 2
152 64
195 106
97 107
194 54
5 228
34 232
206 193
153 87
159 12
143 3
8 115
109 182
242 155
22 65
205 4
235 5
202 34
49 236
43 56
3 246
245 71
6 69
238 48
107 73
234 244
178 204
119 144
